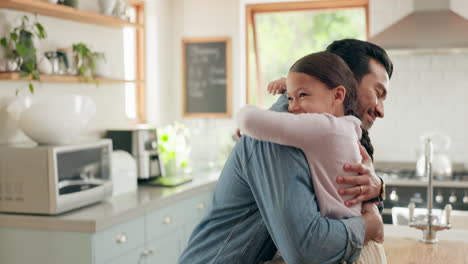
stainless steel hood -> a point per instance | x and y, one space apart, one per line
431 27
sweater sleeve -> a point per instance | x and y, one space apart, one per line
284 128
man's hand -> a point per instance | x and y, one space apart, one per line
374 224
366 185
277 86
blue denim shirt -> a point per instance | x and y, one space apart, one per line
264 201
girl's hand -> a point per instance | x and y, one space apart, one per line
277 86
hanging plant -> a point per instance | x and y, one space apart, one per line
19 46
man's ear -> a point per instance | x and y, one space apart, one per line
339 94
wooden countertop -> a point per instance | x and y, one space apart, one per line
403 246
412 251
114 210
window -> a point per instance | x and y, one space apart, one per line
278 34
134 50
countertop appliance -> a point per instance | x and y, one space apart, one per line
142 143
404 186
124 172
50 179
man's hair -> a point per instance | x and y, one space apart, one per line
356 53
333 72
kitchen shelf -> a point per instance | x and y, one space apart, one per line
15 76
66 12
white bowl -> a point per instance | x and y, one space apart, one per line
57 119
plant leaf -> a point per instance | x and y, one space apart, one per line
13 36
24 74
22 50
31 87
42 34
29 66
3 41
35 75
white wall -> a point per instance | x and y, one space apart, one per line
109 98
176 20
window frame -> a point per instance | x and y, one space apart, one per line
257 8
140 71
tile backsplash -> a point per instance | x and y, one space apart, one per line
427 93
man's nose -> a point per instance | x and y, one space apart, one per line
379 109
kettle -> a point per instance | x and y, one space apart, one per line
441 163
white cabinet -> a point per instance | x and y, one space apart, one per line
157 238
121 238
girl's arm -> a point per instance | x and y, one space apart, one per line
284 128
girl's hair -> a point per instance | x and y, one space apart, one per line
333 72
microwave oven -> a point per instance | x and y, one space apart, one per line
49 179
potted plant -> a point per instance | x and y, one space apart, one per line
174 148
19 46
86 60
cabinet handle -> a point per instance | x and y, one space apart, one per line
167 220
201 206
147 252
121 238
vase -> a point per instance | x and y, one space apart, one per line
12 65
107 6
44 66
170 168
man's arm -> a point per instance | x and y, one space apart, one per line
280 181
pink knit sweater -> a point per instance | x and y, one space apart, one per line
328 142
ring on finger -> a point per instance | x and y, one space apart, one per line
360 190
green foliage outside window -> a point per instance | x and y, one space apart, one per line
284 37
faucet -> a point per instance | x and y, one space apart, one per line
428 227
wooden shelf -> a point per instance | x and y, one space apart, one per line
66 12
15 76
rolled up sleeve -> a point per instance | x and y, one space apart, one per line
355 228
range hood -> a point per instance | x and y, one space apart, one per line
433 26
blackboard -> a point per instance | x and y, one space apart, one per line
206 77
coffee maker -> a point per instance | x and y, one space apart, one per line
142 143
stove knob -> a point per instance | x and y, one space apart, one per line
394 196
465 199
439 198
453 198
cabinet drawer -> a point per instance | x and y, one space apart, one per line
175 215
165 249
119 239
199 205
166 219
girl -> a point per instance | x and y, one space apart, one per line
322 93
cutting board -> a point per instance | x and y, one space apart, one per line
413 251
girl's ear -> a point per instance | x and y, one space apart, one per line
339 94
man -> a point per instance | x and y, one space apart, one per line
264 199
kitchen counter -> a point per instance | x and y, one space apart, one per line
403 246
114 210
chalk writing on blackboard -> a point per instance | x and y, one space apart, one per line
206 77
